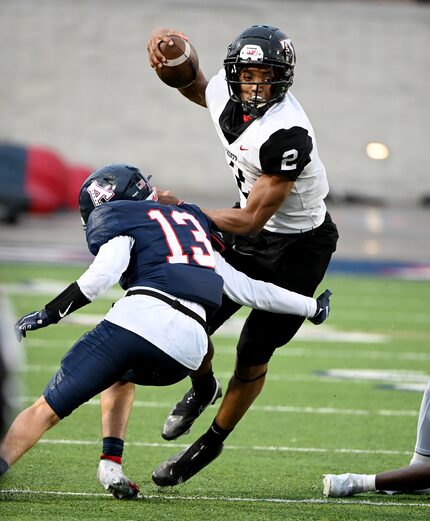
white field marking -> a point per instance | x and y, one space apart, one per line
234 326
409 387
261 448
161 495
299 352
51 287
348 354
271 377
380 375
271 408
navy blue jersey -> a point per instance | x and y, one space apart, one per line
172 251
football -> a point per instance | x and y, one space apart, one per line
182 63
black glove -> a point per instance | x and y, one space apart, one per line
30 322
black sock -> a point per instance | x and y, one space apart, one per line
113 446
204 386
4 467
215 434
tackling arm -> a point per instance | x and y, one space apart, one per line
266 196
262 295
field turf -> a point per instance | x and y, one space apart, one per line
334 401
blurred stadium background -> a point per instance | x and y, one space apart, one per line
74 77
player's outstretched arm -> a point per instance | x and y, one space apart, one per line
63 304
267 296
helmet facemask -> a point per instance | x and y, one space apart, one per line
260 46
279 81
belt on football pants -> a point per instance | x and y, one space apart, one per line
172 302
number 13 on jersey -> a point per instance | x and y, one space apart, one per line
202 255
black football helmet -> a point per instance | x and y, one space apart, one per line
112 183
260 45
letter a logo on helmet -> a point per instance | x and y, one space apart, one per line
290 53
99 194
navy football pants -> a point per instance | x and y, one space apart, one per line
103 356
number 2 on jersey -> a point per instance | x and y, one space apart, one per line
177 252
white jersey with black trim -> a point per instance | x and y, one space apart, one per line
281 142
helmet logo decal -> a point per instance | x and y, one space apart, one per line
251 53
99 194
141 184
289 50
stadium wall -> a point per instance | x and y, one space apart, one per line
74 76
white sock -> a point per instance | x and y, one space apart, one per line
370 482
419 459
361 482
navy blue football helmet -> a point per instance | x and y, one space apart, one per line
260 46
113 182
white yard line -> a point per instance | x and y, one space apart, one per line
293 352
260 448
270 408
308 501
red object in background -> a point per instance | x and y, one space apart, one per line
77 175
50 182
37 179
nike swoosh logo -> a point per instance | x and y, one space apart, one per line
243 148
63 314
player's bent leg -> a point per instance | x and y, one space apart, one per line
26 430
115 405
186 463
113 479
205 391
243 388
413 478
185 412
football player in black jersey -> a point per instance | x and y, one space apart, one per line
156 334
280 231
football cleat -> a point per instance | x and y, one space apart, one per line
323 308
185 412
186 463
112 478
342 485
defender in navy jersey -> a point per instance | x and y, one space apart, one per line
280 229
156 334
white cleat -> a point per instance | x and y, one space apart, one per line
342 485
112 479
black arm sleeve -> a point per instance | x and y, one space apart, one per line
66 302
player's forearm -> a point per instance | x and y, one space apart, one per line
262 295
239 221
196 91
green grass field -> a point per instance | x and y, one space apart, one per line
328 406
